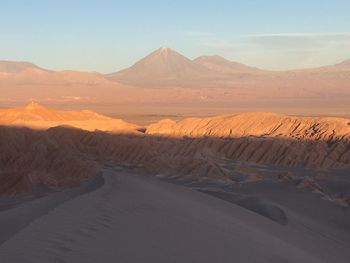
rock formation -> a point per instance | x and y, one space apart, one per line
221 148
37 116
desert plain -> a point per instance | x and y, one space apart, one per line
175 160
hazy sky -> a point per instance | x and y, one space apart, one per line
109 35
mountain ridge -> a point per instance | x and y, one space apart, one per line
221 64
345 63
162 65
165 76
17 66
12 67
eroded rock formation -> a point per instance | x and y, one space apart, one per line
220 148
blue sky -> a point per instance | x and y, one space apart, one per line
108 35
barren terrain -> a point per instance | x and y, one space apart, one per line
248 179
166 82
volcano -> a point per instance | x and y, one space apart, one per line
163 66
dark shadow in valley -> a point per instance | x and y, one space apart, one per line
13 219
62 157
255 204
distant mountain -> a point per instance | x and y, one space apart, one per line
162 66
344 64
17 67
223 65
28 73
166 67
165 76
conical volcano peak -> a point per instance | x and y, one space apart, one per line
162 66
164 49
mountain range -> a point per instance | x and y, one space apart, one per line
165 76
163 64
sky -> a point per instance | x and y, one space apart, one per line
106 36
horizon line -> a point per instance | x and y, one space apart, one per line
204 55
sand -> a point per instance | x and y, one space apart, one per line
253 187
16 213
133 218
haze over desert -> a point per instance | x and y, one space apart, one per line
228 143
166 81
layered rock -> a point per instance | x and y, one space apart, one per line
258 125
268 138
214 148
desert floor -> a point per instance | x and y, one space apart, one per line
123 217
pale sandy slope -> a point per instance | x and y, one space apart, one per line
35 115
137 219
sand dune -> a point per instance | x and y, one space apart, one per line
269 183
137 219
